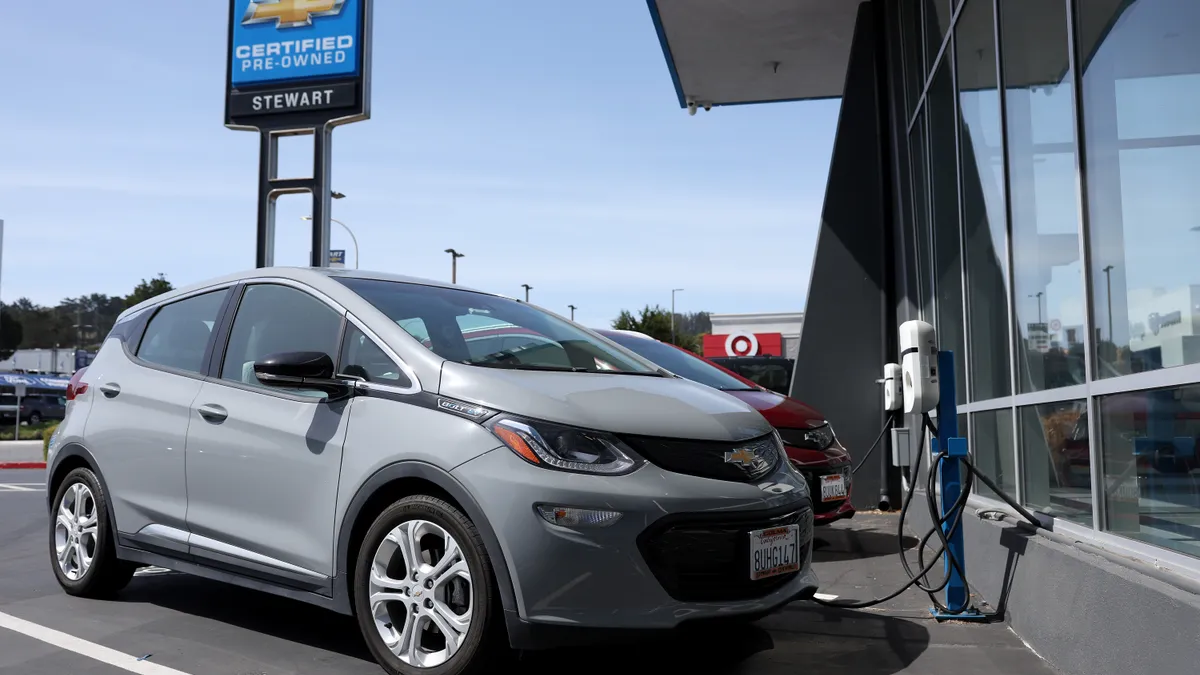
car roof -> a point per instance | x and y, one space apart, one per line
309 275
615 331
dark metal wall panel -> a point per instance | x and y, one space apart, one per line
849 317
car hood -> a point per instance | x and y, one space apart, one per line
781 411
666 407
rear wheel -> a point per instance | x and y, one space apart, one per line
423 591
82 550
35 418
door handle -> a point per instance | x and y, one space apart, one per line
110 390
213 413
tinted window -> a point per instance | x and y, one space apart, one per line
463 326
177 336
682 364
361 357
273 319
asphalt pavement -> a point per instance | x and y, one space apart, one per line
176 624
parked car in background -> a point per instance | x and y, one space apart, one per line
771 372
808 437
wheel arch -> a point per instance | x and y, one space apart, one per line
70 457
391 483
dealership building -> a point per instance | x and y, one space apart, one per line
1024 175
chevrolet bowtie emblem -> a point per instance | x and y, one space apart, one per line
741 456
290 13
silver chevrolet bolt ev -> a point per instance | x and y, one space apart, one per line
461 472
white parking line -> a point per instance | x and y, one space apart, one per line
824 597
89 649
22 487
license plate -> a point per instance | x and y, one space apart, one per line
775 551
833 488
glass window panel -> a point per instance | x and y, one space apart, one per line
983 202
936 22
994 451
1047 274
914 56
1056 460
1141 91
920 186
1152 476
944 178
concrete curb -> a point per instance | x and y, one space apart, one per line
22 465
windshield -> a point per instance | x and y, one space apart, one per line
681 363
485 330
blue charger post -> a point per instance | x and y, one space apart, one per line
950 479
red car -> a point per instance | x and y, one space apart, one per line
808 438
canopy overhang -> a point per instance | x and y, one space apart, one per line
730 52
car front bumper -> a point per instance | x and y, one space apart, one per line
680 551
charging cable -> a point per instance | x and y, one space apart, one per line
944 525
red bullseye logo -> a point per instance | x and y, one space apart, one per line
741 344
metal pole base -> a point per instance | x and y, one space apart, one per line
971 614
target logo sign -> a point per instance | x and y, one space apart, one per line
741 344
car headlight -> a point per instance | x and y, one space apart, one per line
556 446
817 438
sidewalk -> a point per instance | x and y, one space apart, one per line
21 455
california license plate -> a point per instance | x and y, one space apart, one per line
775 551
833 488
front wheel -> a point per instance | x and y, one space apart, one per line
423 591
35 419
82 550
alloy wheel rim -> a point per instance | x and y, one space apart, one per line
75 527
420 593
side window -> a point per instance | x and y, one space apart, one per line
177 335
361 357
272 319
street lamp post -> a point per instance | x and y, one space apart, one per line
1039 295
347 229
673 292
572 307
527 288
1108 284
454 256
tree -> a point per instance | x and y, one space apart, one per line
148 289
656 322
11 333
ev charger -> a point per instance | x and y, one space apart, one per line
893 392
918 366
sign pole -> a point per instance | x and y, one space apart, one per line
322 195
296 67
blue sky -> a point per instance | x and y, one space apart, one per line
541 138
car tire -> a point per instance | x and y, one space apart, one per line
35 419
82 551
422 596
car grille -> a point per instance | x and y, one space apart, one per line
705 558
812 476
742 461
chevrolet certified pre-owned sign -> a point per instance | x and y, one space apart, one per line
276 41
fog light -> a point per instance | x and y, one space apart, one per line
568 517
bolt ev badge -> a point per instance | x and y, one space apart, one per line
290 13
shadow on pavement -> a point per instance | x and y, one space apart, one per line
831 545
802 637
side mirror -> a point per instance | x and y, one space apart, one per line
300 370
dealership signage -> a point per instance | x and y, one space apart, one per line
297 67
297 62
